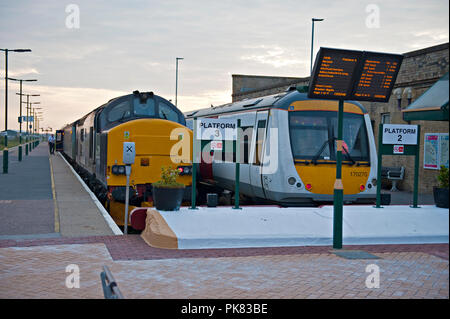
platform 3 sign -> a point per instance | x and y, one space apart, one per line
216 129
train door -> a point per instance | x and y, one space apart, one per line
59 140
74 142
257 155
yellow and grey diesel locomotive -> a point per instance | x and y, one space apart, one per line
288 150
94 146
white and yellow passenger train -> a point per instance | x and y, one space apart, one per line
288 150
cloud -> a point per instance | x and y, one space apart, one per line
123 46
275 56
20 72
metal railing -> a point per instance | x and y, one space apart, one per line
110 289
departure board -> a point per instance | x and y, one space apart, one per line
333 74
377 77
354 75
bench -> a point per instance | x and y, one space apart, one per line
394 174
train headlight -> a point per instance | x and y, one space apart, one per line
374 182
184 170
118 169
362 187
308 186
291 180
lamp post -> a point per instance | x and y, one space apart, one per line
33 131
20 121
27 148
5 151
176 81
312 41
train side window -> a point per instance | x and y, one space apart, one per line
259 141
167 112
245 140
120 111
82 135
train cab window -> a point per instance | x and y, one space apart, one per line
144 109
313 135
167 112
119 111
355 137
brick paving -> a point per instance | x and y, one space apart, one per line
37 269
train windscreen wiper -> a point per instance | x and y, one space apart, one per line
327 142
348 155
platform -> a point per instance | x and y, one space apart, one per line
273 226
41 197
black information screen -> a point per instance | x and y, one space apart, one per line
377 76
333 74
354 75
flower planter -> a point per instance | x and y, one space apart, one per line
167 198
440 197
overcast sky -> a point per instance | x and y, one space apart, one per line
121 46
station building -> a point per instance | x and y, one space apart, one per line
420 70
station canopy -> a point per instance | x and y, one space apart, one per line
431 105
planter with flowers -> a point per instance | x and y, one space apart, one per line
167 192
440 193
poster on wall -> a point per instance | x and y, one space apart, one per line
435 150
443 150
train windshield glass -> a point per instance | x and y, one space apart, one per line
144 109
167 112
313 136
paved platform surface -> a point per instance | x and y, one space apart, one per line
30 207
37 269
34 257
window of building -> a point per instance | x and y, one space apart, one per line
385 118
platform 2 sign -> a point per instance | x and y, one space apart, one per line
354 75
400 134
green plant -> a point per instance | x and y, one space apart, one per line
443 177
168 178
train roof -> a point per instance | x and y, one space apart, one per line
99 108
280 100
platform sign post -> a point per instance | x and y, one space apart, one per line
338 202
129 153
194 164
342 75
399 139
237 168
214 131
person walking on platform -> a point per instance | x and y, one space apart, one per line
51 144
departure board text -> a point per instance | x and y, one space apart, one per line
354 75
